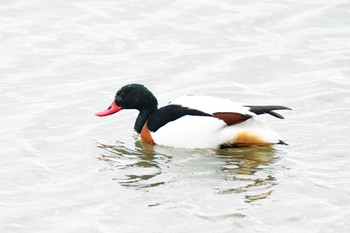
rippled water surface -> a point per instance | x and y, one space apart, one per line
64 170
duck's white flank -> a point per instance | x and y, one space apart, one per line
190 132
209 132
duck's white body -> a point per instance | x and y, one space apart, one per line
209 132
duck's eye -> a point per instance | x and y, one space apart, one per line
120 94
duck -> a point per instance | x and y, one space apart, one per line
196 121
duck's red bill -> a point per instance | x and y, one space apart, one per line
110 110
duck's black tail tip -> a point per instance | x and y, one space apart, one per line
270 109
280 142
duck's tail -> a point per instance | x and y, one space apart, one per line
267 109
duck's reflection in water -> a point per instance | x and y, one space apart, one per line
252 169
138 166
246 171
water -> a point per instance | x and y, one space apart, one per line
64 170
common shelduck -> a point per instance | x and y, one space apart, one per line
195 121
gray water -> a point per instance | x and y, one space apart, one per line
64 170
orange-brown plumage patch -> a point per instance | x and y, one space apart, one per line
245 138
146 135
231 118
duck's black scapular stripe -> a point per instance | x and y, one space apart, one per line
170 113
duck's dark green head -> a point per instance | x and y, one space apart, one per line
135 96
132 96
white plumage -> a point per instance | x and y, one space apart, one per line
210 104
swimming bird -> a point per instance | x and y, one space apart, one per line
195 121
